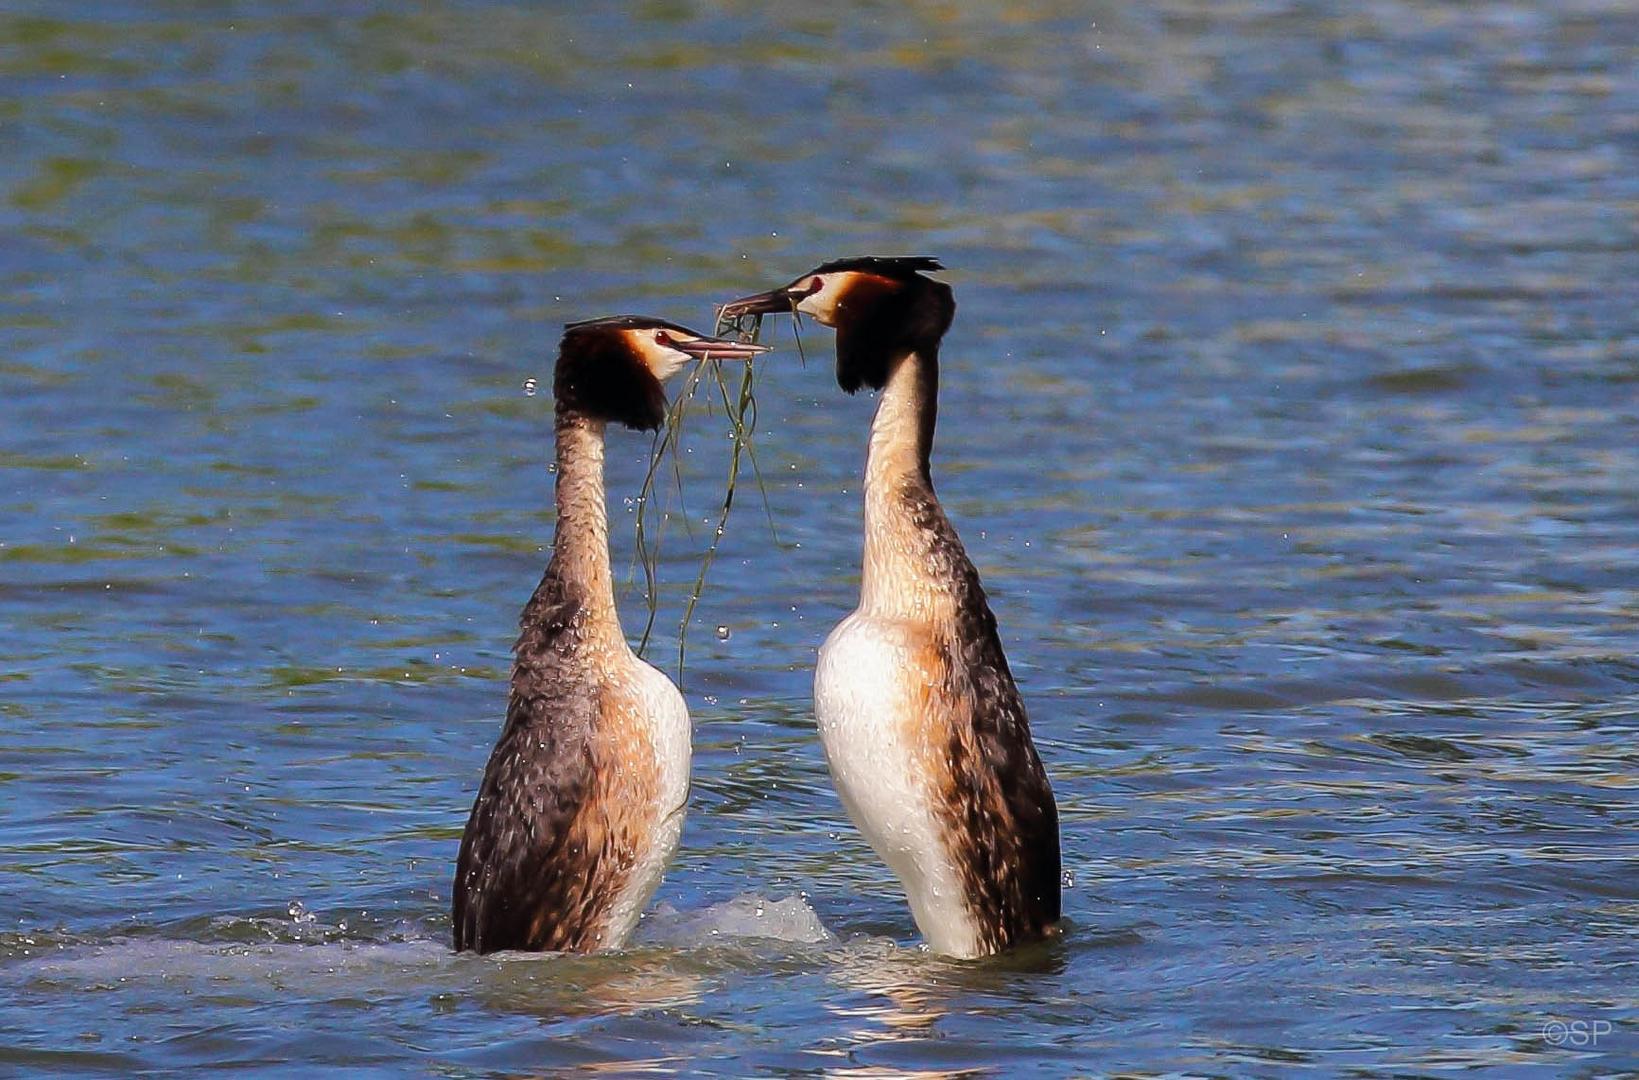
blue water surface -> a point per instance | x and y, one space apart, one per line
1291 414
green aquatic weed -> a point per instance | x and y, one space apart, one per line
740 406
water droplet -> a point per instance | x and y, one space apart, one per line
530 386
723 633
1068 879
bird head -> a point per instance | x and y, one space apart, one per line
611 369
881 308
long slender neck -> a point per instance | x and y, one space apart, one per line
903 519
578 575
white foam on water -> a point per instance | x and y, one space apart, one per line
122 961
749 917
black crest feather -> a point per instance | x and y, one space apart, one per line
898 267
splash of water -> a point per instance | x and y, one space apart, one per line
747 917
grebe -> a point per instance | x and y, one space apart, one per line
924 732
582 801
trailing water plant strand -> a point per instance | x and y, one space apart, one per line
741 410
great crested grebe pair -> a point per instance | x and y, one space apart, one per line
926 737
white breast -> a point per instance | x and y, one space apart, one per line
864 692
668 716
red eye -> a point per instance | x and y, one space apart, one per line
662 338
815 286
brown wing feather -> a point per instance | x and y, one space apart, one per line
525 878
996 800
541 863
1000 798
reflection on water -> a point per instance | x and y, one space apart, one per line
1289 414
